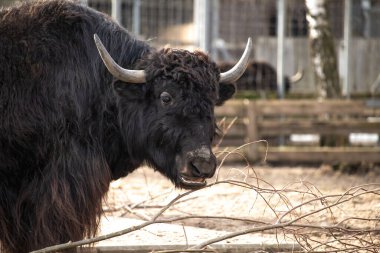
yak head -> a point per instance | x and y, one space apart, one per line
168 110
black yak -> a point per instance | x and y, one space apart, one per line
72 120
261 77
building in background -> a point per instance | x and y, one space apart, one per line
228 23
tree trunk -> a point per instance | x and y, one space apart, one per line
324 60
322 49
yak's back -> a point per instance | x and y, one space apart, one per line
42 35
48 80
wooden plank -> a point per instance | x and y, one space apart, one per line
234 134
286 127
163 237
271 118
232 142
86 250
252 130
322 154
222 248
232 108
233 127
314 107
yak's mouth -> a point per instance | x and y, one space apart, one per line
195 167
192 182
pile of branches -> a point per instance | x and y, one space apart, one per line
300 221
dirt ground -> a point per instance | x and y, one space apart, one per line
256 195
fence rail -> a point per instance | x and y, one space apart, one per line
276 121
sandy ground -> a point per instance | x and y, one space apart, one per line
255 195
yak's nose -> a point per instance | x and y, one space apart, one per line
202 162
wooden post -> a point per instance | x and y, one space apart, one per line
252 131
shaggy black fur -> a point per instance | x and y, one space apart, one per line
67 128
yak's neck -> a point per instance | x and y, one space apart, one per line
120 144
120 139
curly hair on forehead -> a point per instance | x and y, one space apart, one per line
177 64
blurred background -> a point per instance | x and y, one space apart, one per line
221 27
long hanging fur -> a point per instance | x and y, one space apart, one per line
57 117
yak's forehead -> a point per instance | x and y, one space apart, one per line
192 72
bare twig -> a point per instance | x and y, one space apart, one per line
337 199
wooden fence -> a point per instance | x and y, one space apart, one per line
277 121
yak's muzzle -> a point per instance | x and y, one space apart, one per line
200 164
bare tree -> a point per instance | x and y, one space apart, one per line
322 49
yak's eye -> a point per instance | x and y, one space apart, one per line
166 98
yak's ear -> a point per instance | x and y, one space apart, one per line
129 91
226 91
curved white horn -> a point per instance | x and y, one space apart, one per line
296 77
126 75
237 71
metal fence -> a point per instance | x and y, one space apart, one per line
161 22
221 27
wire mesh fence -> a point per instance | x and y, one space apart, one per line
225 25
229 23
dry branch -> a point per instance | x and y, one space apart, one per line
341 234
335 234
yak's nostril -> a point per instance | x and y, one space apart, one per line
196 168
203 167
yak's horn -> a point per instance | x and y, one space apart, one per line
237 71
126 75
296 77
